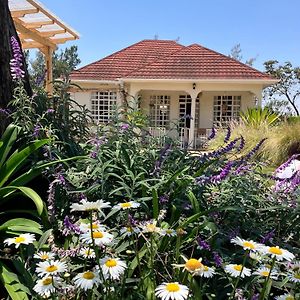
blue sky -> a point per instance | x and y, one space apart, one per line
268 29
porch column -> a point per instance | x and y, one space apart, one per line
192 121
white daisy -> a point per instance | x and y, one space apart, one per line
85 205
101 238
168 232
278 253
172 290
52 267
150 227
294 266
87 280
24 238
96 226
236 270
294 277
207 272
192 265
285 297
247 244
87 252
43 255
129 230
264 272
113 267
46 286
127 205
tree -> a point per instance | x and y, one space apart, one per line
7 32
236 53
288 85
64 62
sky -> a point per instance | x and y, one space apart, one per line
265 29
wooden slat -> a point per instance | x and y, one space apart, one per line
63 40
33 34
51 33
30 45
38 24
41 9
22 12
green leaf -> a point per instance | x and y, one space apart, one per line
43 239
12 284
17 159
155 204
21 224
30 193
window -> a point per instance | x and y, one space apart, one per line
226 109
185 106
159 110
102 105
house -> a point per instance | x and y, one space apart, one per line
173 81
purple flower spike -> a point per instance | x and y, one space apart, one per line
218 259
69 227
242 144
228 135
212 134
16 62
124 127
204 245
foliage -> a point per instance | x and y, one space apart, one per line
288 84
236 53
279 107
59 118
256 117
64 62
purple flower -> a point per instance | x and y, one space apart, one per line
268 237
212 134
218 259
162 156
16 62
164 199
254 150
255 297
36 130
50 111
69 227
132 221
5 111
93 154
228 135
242 144
203 245
124 127
40 79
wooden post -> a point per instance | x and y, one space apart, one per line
48 52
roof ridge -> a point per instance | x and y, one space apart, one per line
156 60
121 50
228 57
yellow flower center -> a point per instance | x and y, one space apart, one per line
88 275
289 298
129 229
248 245
238 268
297 275
88 252
275 250
151 227
172 287
51 268
97 235
47 281
169 231
193 264
111 263
205 268
44 256
126 205
19 239
95 226
265 273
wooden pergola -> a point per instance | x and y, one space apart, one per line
39 28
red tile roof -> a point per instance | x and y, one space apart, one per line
158 59
118 64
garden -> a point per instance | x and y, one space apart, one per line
109 213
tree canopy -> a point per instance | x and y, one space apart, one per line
288 86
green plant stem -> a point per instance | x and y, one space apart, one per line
238 279
262 294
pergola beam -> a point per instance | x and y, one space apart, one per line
33 35
52 33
